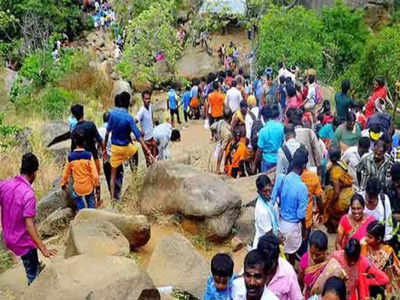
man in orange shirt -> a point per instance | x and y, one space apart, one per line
215 107
84 173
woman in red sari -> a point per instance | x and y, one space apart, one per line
379 92
354 224
358 272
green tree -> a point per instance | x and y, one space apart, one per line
297 34
345 34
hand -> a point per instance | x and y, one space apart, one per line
48 253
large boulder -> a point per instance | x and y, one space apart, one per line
245 225
54 200
196 63
56 222
245 187
86 277
176 263
101 238
172 188
121 86
135 228
53 129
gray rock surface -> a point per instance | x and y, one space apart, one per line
245 225
56 222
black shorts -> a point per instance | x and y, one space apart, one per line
212 120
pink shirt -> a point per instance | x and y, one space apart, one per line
17 201
284 284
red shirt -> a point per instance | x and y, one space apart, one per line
380 92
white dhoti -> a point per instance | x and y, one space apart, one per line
292 235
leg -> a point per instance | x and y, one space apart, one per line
118 182
107 173
171 113
31 265
80 203
177 116
113 177
90 200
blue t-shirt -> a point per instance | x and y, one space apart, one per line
186 100
327 132
211 292
121 124
270 139
293 197
172 100
282 93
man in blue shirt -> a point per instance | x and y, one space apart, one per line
293 199
186 102
172 105
270 139
121 124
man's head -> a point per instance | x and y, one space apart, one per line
290 132
268 245
146 97
79 138
106 117
363 145
125 100
77 111
215 86
237 134
175 135
300 160
350 120
234 83
274 111
264 186
255 274
345 86
29 166
221 270
243 107
379 151
311 79
282 79
373 188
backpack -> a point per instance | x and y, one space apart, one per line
318 94
289 156
255 128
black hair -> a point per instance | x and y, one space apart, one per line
125 99
106 117
290 113
300 158
266 113
268 245
78 136
377 230
350 116
345 86
334 154
222 265
380 81
117 100
29 164
215 85
234 83
311 79
395 171
188 88
320 117
274 111
336 285
282 79
359 198
229 73
255 258
175 135
353 249
77 111
373 187
336 121
240 71
364 142
319 240
262 181
243 104
291 91
146 92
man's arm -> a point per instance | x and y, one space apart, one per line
31 228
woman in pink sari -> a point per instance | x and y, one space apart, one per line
357 271
354 224
313 263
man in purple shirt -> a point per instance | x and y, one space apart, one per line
18 208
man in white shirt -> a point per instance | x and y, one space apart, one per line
145 119
377 204
352 157
163 134
311 100
288 148
234 97
252 115
251 286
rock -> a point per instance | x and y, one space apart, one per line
140 82
237 244
52 130
245 187
245 225
176 263
60 151
22 138
135 228
100 43
56 222
173 188
9 78
196 63
100 238
121 86
95 278
54 200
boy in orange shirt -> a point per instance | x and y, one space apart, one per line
236 155
82 167
216 103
